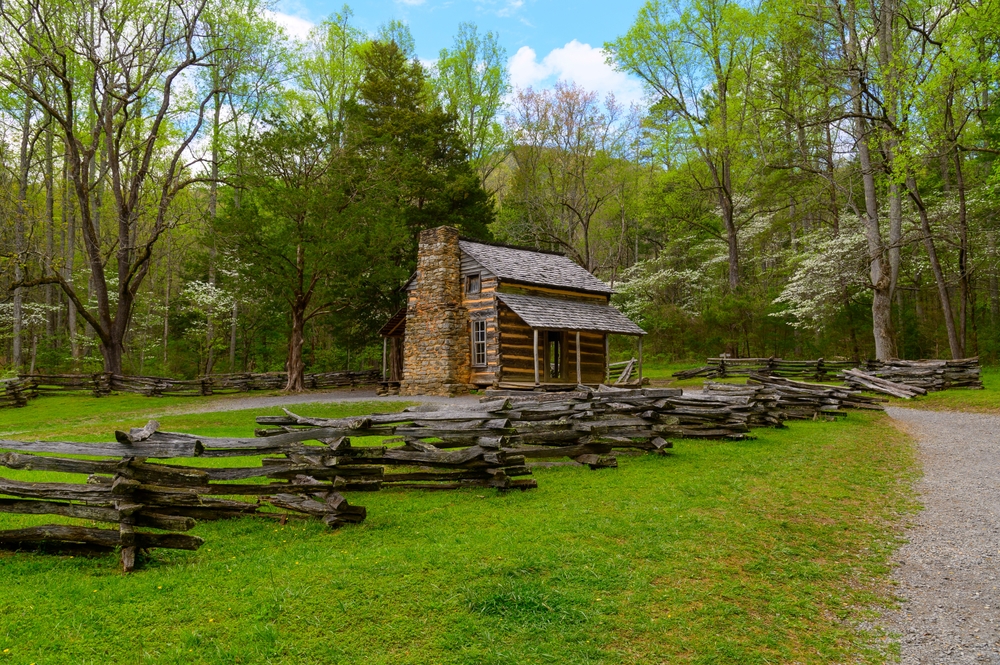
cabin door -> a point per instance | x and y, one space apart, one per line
555 356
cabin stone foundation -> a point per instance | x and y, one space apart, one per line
436 349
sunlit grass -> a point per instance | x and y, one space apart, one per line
85 418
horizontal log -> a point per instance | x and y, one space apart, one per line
187 448
543 452
129 467
98 494
102 537
95 513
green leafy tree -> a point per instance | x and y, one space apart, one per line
472 79
307 226
329 70
699 60
413 147
108 76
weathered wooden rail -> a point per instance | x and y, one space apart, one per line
930 375
817 370
17 392
775 399
134 493
587 426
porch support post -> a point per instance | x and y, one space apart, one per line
385 349
534 353
579 375
640 360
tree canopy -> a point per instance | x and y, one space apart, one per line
800 179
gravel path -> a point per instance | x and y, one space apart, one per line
239 403
948 571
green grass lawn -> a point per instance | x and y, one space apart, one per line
764 551
662 375
96 418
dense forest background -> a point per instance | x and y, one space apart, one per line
184 189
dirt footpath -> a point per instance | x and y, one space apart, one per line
948 571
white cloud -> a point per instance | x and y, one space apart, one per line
295 26
412 3
511 7
577 63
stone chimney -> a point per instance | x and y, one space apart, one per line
436 347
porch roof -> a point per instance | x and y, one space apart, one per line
559 314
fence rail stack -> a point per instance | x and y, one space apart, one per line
16 392
133 493
931 375
927 374
777 399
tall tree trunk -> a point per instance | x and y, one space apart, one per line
213 203
942 286
732 242
95 286
963 255
895 234
166 303
296 341
20 222
991 239
69 219
878 266
232 340
831 177
50 230
963 225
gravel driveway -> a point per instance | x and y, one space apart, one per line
948 571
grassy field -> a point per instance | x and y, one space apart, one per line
96 418
764 551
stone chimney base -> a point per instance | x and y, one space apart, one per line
436 348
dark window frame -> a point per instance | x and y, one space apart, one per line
477 280
478 350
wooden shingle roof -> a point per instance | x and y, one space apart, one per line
525 266
558 314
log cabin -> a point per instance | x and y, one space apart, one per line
482 314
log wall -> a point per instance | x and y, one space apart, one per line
482 306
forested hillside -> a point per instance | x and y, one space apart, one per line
185 189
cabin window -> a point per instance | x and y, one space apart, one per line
472 284
479 343
554 348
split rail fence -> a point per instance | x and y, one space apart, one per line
17 392
929 375
308 463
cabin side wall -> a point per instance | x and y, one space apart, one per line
482 306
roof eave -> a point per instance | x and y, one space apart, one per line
510 280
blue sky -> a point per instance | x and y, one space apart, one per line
546 40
